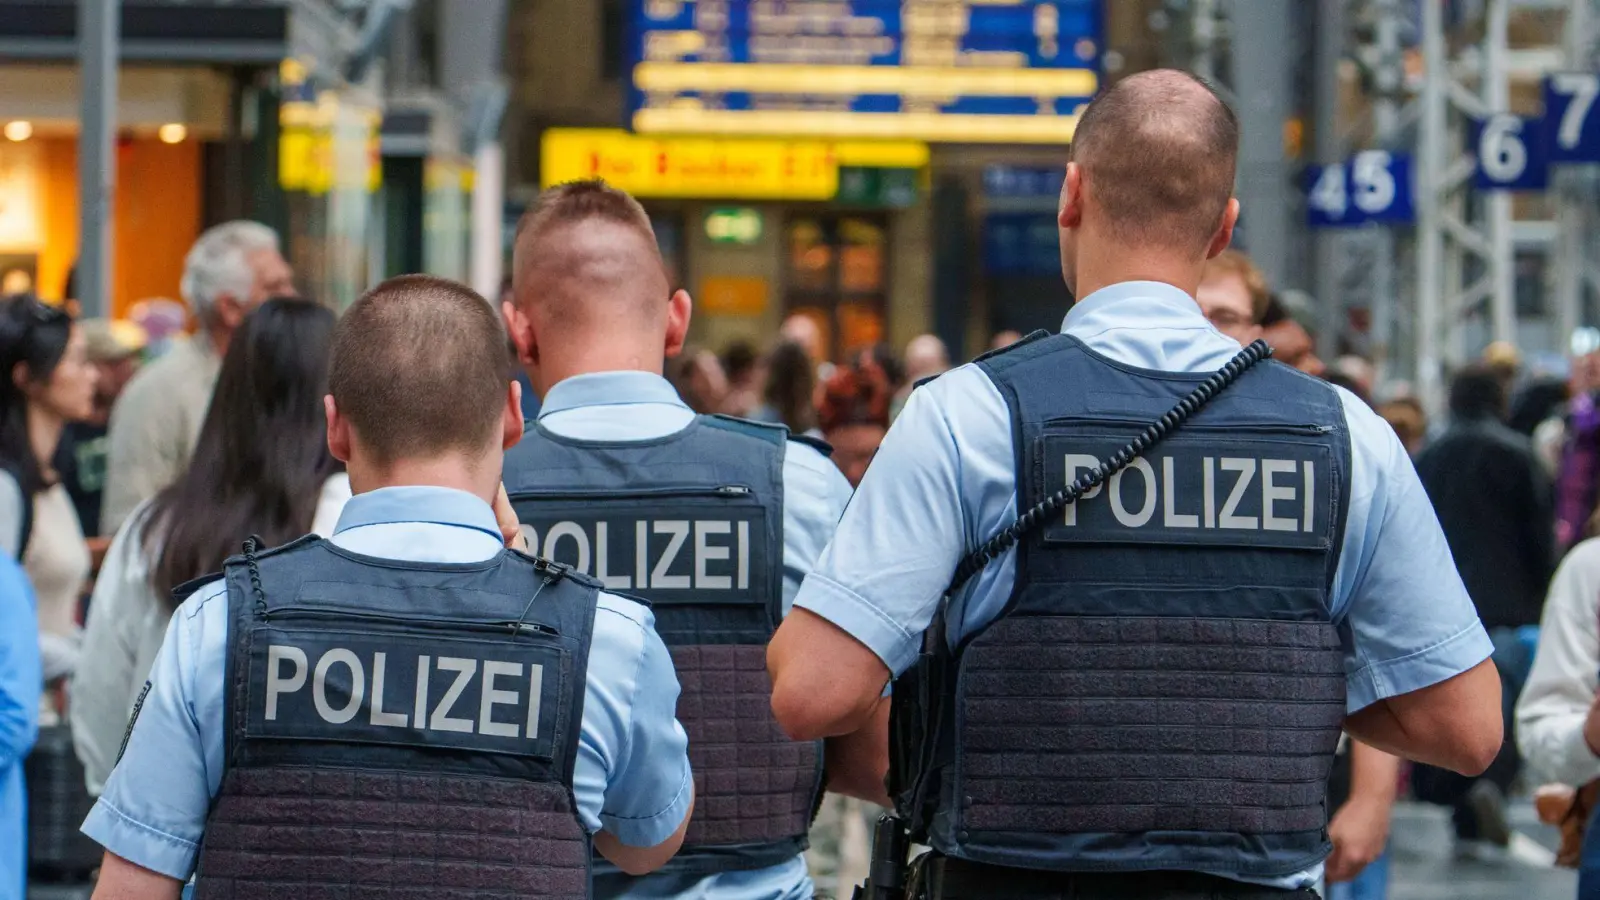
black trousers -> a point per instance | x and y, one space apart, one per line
941 878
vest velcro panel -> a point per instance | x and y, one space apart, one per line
752 783
281 833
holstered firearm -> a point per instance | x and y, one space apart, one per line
886 878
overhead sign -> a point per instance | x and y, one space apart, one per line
1511 154
1570 130
733 169
1372 186
954 70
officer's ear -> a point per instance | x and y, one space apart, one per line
679 308
338 430
1224 235
510 417
1071 214
520 327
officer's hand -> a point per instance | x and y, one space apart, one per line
506 518
1359 831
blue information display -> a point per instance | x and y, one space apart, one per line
1372 186
1511 152
1021 245
935 70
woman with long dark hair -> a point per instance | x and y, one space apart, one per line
46 381
261 467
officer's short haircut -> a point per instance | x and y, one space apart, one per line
1158 151
583 244
1233 262
419 369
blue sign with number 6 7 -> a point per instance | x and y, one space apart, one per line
1511 154
1571 129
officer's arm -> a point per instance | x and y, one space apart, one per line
1455 724
858 762
122 880
825 683
642 860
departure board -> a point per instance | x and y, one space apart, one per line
983 71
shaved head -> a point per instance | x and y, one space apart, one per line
1157 153
586 256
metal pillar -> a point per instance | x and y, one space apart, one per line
99 24
1388 79
1262 53
1447 235
1575 195
1329 150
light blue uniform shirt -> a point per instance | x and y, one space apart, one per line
20 683
624 406
944 482
631 776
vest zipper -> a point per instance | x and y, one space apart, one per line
313 612
1268 428
726 490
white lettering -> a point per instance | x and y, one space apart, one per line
1272 493
1247 472
602 570
464 669
1075 462
1209 489
319 686
535 696
378 716
276 683
744 556
579 537
641 553
1169 499
1140 519
420 714
679 530
1311 494
705 552
493 669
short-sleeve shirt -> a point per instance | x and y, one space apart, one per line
944 482
639 406
631 777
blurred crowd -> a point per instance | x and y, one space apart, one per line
134 460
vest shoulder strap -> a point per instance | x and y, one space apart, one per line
775 435
815 443
186 590
1032 337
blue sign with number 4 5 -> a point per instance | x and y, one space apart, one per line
1372 186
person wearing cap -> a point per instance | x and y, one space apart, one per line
116 348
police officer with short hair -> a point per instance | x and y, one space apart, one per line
714 520
1136 695
407 708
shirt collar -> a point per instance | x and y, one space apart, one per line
432 505
1146 303
607 389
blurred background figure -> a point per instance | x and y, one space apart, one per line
1292 344
1493 500
261 467
47 383
1573 437
115 348
791 387
1410 423
698 377
854 413
926 357
746 372
1355 374
232 269
1234 296
1505 361
1004 339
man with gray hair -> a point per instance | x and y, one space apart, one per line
230 271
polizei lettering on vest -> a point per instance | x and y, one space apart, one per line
1281 493
652 554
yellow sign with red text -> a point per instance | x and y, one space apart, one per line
719 168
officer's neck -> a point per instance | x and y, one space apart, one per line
453 471
599 354
1102 264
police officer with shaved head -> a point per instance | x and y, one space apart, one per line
1132 579
408 708
712 519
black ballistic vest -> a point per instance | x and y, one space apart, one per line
400 730
693 523
1165 688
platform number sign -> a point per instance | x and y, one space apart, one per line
1571 126
1511 154
1372 186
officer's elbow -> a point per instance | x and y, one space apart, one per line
824 681
805 714
1478 750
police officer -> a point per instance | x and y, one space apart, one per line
407 706
714 520
1149 684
